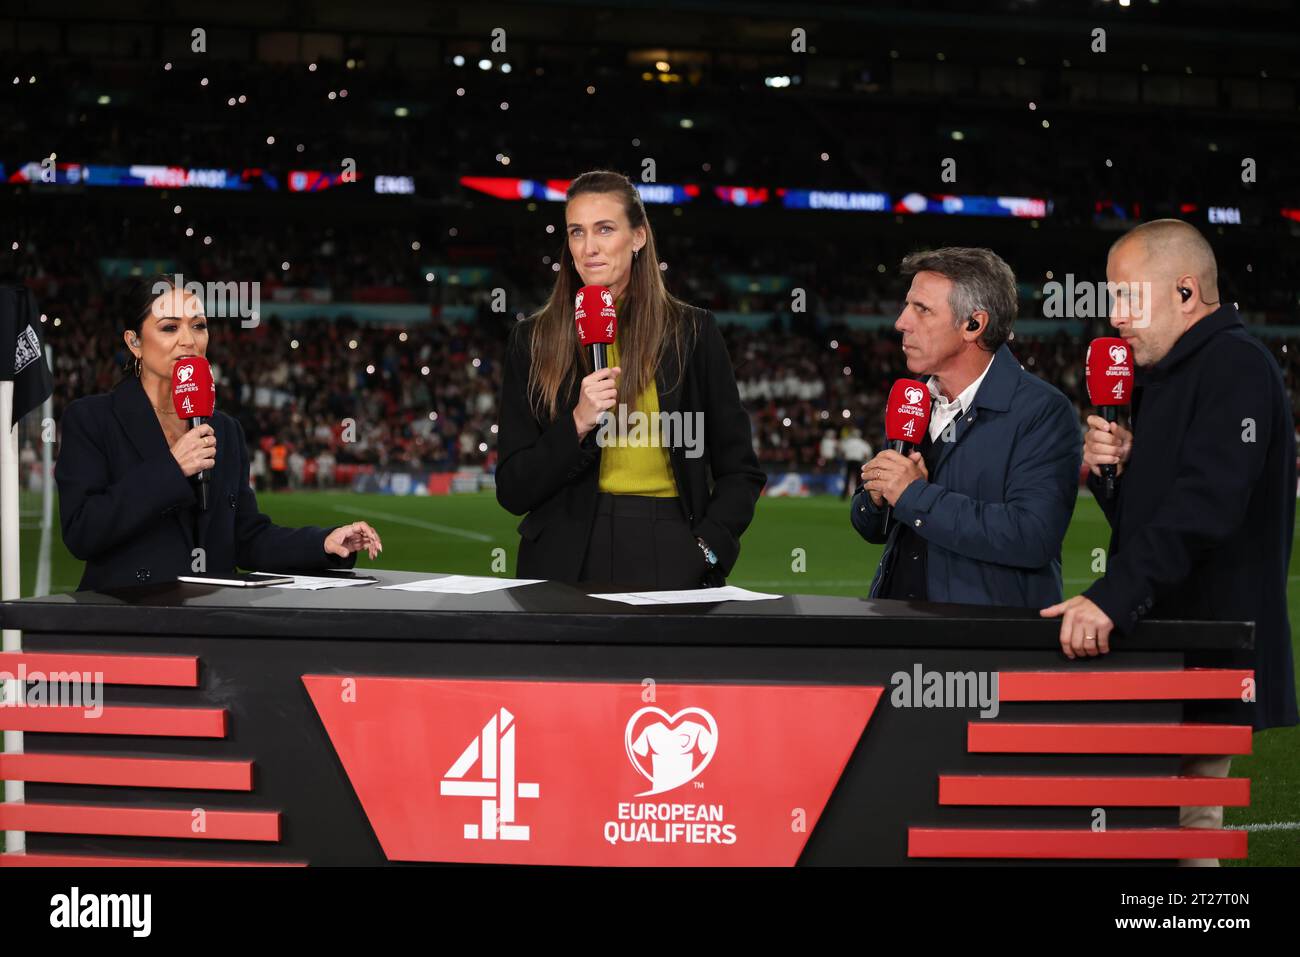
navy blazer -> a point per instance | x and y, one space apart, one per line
124 501
995 509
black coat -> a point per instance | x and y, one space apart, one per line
544 471
126 507
1205 509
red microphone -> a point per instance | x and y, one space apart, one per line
1108 371
593 311
194 395
907 417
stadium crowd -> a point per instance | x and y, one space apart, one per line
421 394
318 395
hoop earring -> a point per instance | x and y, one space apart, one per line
137 367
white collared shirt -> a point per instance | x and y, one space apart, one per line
942 412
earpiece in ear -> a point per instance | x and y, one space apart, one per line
1185 293
973 325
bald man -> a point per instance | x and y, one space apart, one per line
1204 508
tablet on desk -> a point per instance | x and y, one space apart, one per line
239 579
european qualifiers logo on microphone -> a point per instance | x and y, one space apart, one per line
607 314
219 300
190 379
907 414
1108 371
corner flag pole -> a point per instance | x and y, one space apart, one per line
15 841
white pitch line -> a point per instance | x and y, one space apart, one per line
415 522
1273 826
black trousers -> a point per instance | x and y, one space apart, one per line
643 543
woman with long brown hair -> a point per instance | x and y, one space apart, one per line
657 493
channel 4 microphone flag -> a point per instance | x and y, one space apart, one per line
21 337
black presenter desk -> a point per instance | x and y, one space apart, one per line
540 725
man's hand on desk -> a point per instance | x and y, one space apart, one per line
1085 628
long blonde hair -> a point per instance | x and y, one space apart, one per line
650 322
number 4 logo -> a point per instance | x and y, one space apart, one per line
493 750
1118 390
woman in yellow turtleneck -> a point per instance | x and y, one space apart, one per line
632 467
640 475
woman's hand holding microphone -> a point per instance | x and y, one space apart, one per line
597 394
196 450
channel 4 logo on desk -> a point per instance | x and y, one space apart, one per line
560 769
492 752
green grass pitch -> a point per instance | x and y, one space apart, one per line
459 534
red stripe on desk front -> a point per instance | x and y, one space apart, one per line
117 719
141 821
1080 790
176 671
1127 843
94 860
1121 685
128 772
1108 738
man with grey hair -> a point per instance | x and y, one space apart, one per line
979 513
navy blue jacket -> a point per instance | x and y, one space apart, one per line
124 501
1204 516
999 499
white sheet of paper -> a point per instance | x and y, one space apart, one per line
462 584
316 583
689 596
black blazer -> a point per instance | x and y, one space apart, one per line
124 503
1205 510
543 471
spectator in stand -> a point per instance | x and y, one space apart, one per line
856 451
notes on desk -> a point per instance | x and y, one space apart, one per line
316 583
689 596
462 584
